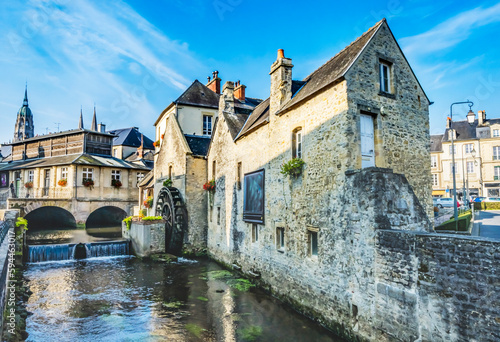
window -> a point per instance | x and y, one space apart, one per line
214 165
434 161
31 176
116 175
453 149
170 168
496 152
88 173
385 77
253 197
280 238
312 241
297 143
496 170
496 133
468 148
493 193
470 167
218 215
255 232
238 175
207 124
64 173
434 179
140 177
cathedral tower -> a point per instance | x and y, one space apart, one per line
24 123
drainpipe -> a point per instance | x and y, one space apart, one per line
75 182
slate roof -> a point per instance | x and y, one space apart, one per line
199 95
468 132
130 137
334 69
436 143
81 159
147 180
259 117
198 144
51 135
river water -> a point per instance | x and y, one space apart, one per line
131 299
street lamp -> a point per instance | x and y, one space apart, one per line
470 120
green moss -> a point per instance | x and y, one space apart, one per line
172 305
204 299
222 274
240 284
252 333
195 329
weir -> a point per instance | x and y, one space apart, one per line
39 253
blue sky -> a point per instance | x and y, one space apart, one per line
132 58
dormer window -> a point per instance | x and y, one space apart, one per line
385 77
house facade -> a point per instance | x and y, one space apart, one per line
360 125
477 158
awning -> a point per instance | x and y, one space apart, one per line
438 192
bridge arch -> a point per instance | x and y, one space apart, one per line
50 217
107 216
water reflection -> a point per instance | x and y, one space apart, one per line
67 236
128 299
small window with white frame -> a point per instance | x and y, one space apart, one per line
140 177
207 124
31 176
434 161
470 167
116 175
312 242
64 173
469 148
88 173
453 149
297 143
435 179
385 77
496 172
496 133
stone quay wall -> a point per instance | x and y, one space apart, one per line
146 237
433 287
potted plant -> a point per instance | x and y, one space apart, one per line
209 186
116 183
28 185
292 168
148 203
62 182
88 183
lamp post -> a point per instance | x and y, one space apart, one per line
470 119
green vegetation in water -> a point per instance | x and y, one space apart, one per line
172 305
222 274
240 284
204 299
252 333
164 257
21 221
128 221
195 329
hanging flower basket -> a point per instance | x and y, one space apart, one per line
209 186
162 136
28 185
116 183
156 143
88 183
148 203
62 182
292 168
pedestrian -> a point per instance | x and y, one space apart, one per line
12 189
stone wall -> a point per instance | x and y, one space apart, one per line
437 288
146 237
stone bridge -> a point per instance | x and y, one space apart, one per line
80 210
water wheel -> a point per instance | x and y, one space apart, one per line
171 207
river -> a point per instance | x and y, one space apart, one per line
131 299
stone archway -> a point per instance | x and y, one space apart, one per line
107 216
50 217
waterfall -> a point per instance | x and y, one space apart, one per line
38 253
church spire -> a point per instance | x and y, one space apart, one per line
94 122
25 102
80 124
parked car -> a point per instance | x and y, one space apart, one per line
479 199
445 202
491 199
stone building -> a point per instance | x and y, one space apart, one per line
477 158
360 123
183 133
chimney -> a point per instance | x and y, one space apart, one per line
481 117
226 101
281 82
214 84
140 149
101 128
239 91
448 122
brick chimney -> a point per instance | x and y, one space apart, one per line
448 122
214 84
481 117
226 101
281 81
140 149
239 91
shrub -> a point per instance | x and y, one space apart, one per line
21 221
88 182
152 218
292 168
487 205
28 185
128 221
167 183
463 223
62 182
209 186
116 183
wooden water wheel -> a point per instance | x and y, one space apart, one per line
171 207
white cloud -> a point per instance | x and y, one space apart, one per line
451 32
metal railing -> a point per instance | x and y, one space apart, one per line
4 228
